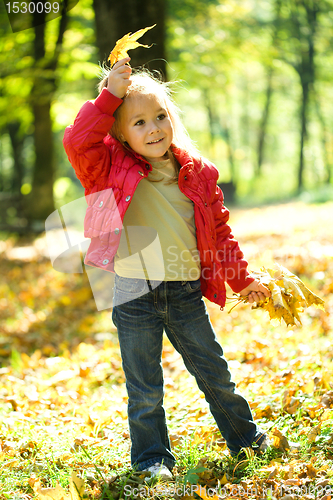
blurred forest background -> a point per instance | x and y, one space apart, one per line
254 83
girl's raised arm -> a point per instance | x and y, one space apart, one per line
84 140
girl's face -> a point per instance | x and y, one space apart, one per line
145 125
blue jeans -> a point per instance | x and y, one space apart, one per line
177 308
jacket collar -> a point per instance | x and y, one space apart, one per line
184 158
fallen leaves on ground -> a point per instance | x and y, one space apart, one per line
76 490
280 442
63 402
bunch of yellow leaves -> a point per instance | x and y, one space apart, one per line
289 295
126 43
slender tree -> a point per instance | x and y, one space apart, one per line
268 92
302 24
324 141
17 140
40 202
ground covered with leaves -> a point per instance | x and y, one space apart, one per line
63 430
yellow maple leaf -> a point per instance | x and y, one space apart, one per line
314 432
127 42
279 440
57 493
202 493
76 487
76 490
311 471
224 479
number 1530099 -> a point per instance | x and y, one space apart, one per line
32 7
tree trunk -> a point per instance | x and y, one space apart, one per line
17 146
306 70
245 117
304 114
269 92
211 122
39 204
230 154
217 129
324 141
264 121
41 201
115 19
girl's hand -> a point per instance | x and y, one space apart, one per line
119 78
256 292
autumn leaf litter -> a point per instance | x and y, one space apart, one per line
63 401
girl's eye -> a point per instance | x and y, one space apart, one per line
140 122
161 116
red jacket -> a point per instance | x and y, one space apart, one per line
110 174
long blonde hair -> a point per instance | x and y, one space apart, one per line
146 83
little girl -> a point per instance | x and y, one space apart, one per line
131 142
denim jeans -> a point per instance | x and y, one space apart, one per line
177 308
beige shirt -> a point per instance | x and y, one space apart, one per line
158 240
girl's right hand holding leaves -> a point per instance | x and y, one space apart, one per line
256 292
119 78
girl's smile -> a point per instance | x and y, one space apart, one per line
146 126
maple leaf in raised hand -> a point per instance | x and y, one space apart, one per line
126 43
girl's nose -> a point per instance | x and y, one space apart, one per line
154 127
